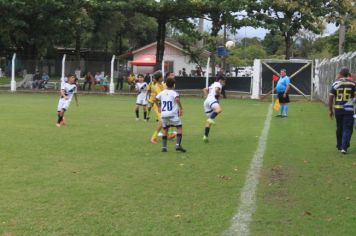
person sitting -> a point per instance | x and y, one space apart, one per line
44 80
131 80
105 83
36 80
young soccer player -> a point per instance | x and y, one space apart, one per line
156 89
151 94
141 88
211 104
171 109
68 90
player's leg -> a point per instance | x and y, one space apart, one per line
137 112
215 106
144 104
339 128
164 136
150 104
348 122
158 127
179 147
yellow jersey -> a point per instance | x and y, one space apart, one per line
155 89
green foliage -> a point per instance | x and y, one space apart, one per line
245 52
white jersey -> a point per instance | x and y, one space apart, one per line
141 88
169 107
69 90
212 89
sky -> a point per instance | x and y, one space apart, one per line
251 32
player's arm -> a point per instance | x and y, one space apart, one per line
330 105
156 101
217 93
180 106
205 92
76 99
63 94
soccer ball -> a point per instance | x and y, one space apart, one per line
230 44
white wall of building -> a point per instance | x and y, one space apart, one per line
170 54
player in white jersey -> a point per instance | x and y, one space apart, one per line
141 88
171 109
68 90
211 104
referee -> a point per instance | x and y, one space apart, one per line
282 90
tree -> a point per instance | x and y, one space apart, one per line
289 17
246 51
164 11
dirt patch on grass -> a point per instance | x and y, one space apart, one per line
277 193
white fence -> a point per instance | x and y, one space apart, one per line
326 71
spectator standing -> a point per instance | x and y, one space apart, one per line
341 100
184 73
36 80
88 79
120 80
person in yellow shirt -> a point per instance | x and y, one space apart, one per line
158 87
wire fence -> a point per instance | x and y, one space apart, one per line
326 71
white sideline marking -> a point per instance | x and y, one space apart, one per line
242 219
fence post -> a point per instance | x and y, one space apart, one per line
112 87
207 73
63 67
13 82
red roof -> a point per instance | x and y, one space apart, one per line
144 60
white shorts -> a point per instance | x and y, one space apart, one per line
63 104
209 105
141 100
173 121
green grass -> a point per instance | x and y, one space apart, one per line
99 175
307 187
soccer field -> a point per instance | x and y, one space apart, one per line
100 175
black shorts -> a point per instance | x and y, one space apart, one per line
282 99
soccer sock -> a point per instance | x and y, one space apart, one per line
207 130
179 139
60 118
281 109
164 141
137 114
145 115
286 110
213 115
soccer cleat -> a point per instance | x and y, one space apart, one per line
153 140
164 149
205 139
58 125
343 151
211 121
180 149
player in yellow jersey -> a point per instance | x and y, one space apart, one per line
156 88
152 94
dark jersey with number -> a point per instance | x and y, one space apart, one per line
343 91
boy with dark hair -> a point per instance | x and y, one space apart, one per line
171 109
211 104
68 90
141 89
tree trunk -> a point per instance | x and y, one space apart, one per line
342 33
161 36
288 41
77 46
